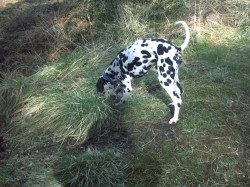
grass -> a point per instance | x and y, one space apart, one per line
58 131
93 168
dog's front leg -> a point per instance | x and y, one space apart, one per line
127 88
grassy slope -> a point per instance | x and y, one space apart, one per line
59 132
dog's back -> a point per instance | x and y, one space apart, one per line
137 59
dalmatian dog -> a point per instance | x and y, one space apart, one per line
137 59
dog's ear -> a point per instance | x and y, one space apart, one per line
100 84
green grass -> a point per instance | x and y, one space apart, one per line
93 168
58 131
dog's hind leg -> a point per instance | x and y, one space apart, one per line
177 101
174 90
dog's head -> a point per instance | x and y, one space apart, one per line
104 86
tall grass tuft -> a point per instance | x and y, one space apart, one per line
68 114
13 89
93 168
61 100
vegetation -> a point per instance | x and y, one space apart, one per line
56 130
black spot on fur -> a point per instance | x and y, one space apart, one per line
123 57
123 75
172 76
166 83
161 68
161 49
130 66
179 86
144 45
136 61
156 56
169 61
175 94
153 61
146 54
177 48
123 71
171 69
120 63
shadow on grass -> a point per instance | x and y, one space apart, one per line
111 148
34 32
155 89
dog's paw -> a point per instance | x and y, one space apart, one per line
173 121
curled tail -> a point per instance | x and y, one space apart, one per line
186 41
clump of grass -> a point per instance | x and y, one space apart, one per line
69 104
13 88
72 113
93 168
109 167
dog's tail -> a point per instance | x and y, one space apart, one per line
186 41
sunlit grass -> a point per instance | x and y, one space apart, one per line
60 132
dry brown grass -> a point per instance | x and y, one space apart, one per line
32 34
5 3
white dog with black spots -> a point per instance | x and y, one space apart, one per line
136 60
